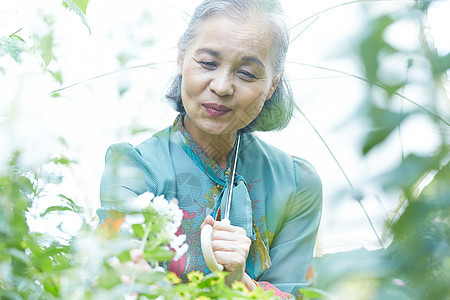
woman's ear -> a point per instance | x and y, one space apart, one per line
274 86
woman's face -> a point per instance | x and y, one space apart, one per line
227 76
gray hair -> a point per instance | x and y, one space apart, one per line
277 111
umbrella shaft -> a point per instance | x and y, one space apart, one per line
232 175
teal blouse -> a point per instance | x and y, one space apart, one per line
277 199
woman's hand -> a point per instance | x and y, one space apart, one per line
230 247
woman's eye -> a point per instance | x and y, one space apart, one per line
247 75
208 65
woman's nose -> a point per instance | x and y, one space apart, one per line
222 84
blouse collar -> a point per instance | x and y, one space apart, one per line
191 147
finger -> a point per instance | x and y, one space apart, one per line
208 220
225 241
230 246
218 225
229 235
230 260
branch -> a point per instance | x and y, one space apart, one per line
109 73
356 194
343 4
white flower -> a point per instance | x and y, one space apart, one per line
172 228
131 219
177 244
141 202
171 215
158 269
179 252
178 241
161 205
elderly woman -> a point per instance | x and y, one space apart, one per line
230 83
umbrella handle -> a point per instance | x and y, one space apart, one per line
208 254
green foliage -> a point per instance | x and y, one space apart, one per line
410 171
312 293
38 266
45 45
439 64
383 123
82 4
373 45
20 249
416 264
79 7
12 46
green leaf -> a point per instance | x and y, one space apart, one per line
11 47
72 6
67 200
19 255
439 64
56 208
383 123
108 279
312 293
135 130
82 4
57 76
63 161
151 277
56 249
124 256
62 262
123 59
14 36
438 189
158 254
4 294
123 90
45 44
410 171
43 263
49 286
70 203
392 88
373 44
331 269
138 230
63 142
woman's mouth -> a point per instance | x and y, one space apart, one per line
216 110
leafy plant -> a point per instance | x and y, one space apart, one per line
415 264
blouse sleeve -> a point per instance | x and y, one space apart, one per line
292 248
124 178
